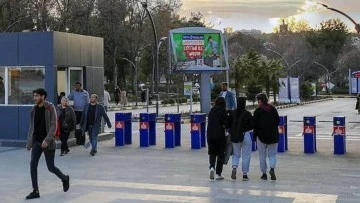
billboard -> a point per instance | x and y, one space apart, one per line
197 50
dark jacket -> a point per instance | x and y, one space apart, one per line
50 122
217 123
69 118
240 122
266 121
99 112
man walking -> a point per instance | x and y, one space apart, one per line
41 139
80 98
228 96
107 99
91 121
266 121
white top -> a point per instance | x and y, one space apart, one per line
224 94
106 98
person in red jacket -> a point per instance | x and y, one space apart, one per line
266 121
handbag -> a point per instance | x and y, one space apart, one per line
58 129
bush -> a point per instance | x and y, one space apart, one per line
306 90
164 101
215 91
172 101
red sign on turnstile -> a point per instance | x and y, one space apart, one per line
169 126
119 124
144 125
339 130
195 127
281 129
309 129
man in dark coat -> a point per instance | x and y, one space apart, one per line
217 123
266 121
241 125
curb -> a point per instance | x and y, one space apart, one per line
302 103
71 141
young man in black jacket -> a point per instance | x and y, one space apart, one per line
266 122
241 124
41 139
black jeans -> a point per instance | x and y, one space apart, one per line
36 152
64 138
78 115
219 161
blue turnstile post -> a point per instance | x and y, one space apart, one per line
198 130
282 135
147 129
286 132
339 135
172 130
123 129
309 134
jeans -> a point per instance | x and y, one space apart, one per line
244 149
265 150
93 137
36 152
78 114
64 138
219 161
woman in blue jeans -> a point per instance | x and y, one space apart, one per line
241 125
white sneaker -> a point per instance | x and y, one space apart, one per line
212 174
219 177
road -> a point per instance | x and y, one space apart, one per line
131 174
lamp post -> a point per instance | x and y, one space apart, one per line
328 74
145 6
357 25
136 82
288 68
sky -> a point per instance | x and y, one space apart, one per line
264 14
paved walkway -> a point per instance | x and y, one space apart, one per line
132 174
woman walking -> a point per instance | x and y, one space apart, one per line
217 123
266 122
241 125
67 121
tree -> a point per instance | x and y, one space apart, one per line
328 41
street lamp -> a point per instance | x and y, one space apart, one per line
136 81
357 25
157 78
288 71
145 6
328 74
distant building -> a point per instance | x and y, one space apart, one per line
251 32
284 28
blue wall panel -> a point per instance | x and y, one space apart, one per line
8 49
24 121
9 122
36 48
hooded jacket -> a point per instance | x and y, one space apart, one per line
217 123
50 123
266 121
240 121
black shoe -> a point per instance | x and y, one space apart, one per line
233 174
245 177
66 183
264 176
33 195
62 154
67 151
272 174
92 153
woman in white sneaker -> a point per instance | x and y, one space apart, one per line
217 123
241 125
